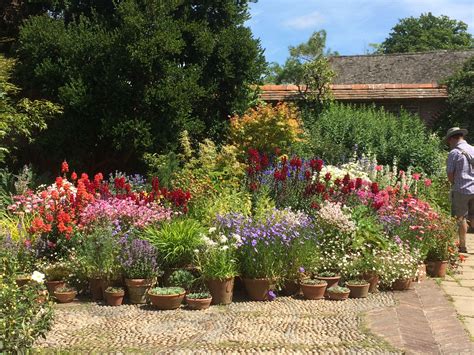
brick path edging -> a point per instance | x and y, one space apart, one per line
424 321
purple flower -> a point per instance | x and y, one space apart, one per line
271 295
301 269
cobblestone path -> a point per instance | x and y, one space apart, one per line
285 325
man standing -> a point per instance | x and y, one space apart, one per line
460 170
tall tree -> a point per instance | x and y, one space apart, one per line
425 33
133 74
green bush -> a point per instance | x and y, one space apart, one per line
341 129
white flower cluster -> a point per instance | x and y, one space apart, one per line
213 240
37 277
398 264
332 214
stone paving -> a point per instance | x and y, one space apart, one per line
286 325
460 288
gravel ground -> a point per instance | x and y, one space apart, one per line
286 325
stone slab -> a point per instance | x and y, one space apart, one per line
467 283
457 290
464 305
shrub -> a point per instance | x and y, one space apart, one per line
164 291
138 258
175 240
342 128
266 128
182 278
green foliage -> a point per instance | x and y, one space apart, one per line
20 119
97 252
218 262
369 235
59 271
426 33
198 296
342 128
135 74
175 240
166 291
460 110
182 278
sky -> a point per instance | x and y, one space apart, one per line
351 25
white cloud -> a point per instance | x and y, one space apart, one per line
311 20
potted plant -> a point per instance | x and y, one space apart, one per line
217 262
438 257
181 278
166 298
398 267
359 288
114 295
22 279
338 293
65 294
97 256
364 265
330 277
313 289
198 301
138 260
56 275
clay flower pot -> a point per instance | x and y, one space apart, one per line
436 268
291 288
166 302
358 291
338 296
198 303
95 287
22 280
258 289
373 280
313 292
65 297
53 285
138 289
221 290
401 284
331 281
114 298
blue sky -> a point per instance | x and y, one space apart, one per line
350 25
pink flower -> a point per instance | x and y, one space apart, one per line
379 168
416 176
428 182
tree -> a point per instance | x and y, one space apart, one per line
20 119
309 69
460 109
426 33
133 74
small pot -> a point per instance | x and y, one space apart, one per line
114 298
358 291
53 285
291 288
166 302
199 303
65 297
313 292
22 280
95 287
436 268
331 281
257 289
221 290
338 296
373 280
138 289
401 284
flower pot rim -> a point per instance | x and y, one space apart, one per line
199 299
357 285
121 293
339 293
314 285
259 279
221 280
65 293
167 296
328 277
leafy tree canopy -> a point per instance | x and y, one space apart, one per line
425 33
133 74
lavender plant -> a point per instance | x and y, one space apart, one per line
138 258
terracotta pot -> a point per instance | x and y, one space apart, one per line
421 274
198 304
331 280
221 290
138 289
358 291
53 285
114 298
65 297
436 268
257 289
401 284
291 288
22 281
313 292
337 296
373 280
95 287
166 302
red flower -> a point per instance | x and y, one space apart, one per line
379 168
74 176
374 188
428 182
327 177
64 167
59 182
307 175
295 162
416 177
358 183
316 164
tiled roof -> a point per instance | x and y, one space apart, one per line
360 91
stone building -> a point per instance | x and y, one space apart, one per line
413 81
